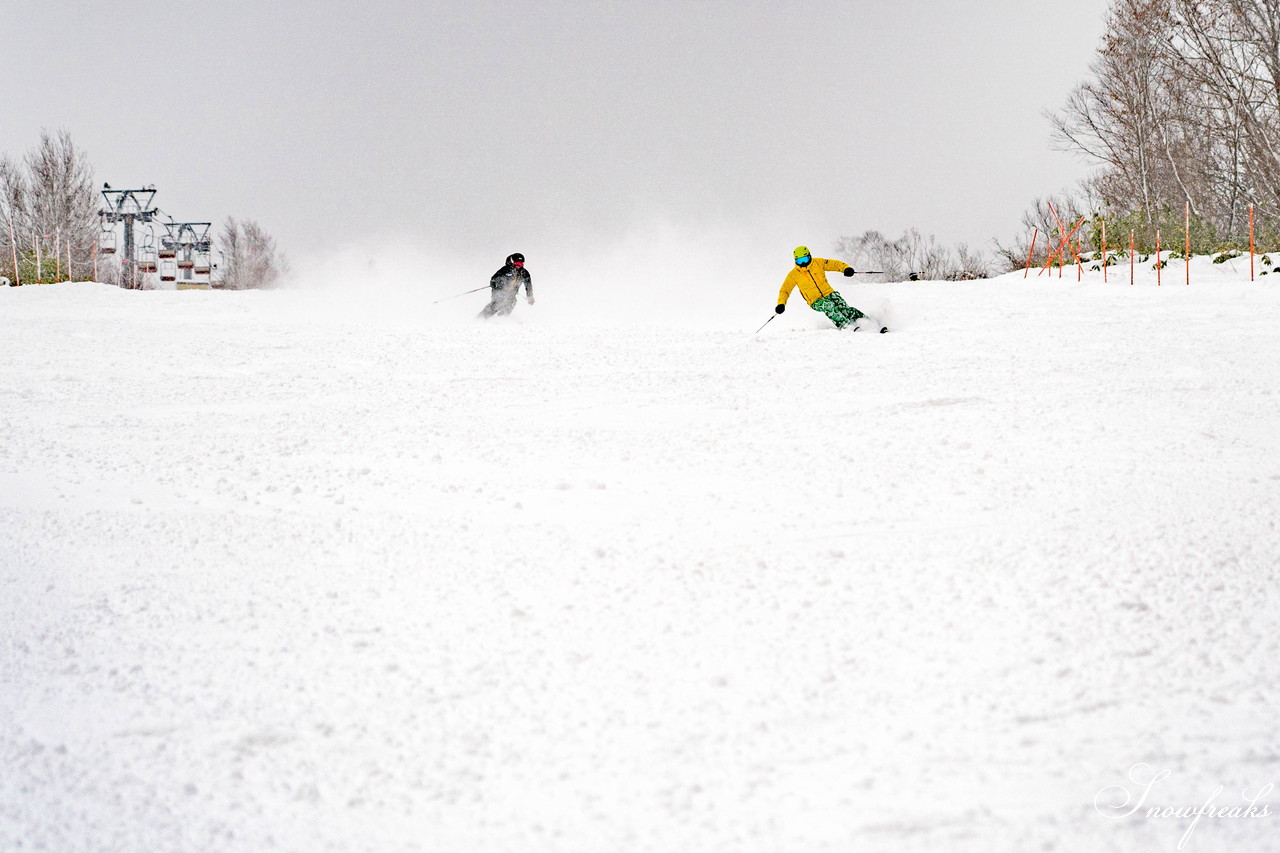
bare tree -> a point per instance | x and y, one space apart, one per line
1183 109
912 253
1045 225
1113 118
249 255
50 198
13 201
63 201
1229 50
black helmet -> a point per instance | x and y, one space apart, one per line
515 258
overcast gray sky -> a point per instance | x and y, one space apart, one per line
480 125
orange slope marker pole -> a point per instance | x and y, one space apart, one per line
1104 251
1132 259
1062 229
1057 218
1079 267
1067 242
1054 255
1030 252
1052 252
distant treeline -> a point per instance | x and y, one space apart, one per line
50 229
1182 115
1183 109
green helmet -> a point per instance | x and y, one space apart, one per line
800 252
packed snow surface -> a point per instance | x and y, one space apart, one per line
345 570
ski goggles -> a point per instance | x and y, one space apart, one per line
803 259
517 263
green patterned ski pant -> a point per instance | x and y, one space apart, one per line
840 312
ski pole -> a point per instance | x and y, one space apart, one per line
766 322
464 293
772 316
911 276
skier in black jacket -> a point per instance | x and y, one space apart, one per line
504 287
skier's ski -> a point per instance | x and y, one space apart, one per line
856 325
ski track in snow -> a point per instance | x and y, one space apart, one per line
278 575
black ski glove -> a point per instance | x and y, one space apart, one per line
849 272
780 309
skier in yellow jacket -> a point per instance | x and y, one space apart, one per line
810 275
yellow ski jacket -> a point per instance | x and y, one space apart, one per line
812 280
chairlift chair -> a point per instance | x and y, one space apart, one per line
147 253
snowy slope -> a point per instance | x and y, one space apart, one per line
348 571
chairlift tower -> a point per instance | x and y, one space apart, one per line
129 207
189 243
